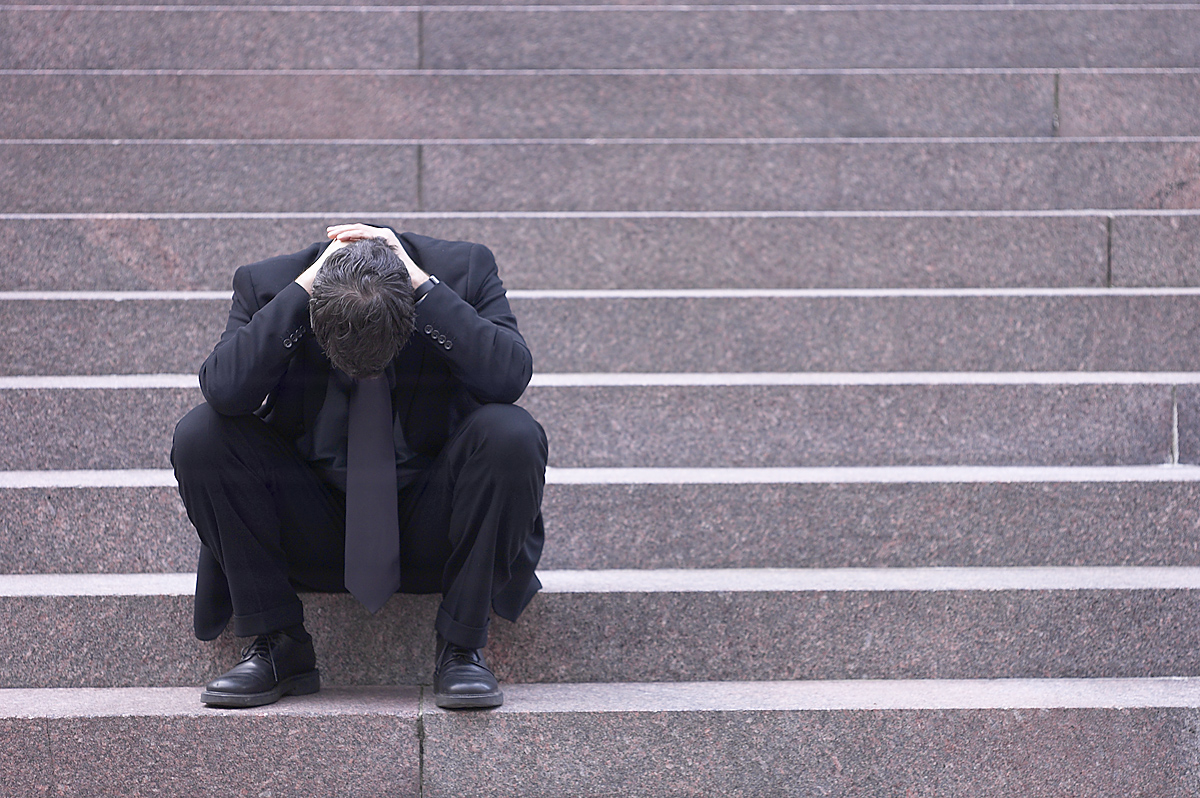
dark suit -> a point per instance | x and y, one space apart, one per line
265 517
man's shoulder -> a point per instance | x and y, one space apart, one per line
265 278
436 254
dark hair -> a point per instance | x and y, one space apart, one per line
362 307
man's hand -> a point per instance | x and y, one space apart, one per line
306 279
345 233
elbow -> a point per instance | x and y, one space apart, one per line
514 390
521 373
509 388
220 397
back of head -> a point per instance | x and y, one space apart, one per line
362 307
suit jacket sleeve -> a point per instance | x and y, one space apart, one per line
258 344
482 346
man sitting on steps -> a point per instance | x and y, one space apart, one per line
359 434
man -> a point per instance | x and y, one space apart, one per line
359 433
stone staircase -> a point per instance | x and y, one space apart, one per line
865 340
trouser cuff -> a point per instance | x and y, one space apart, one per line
268 621
459 633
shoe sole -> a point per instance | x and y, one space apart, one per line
476 701
300 684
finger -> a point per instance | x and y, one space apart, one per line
357 232
355 226
352 235
336 229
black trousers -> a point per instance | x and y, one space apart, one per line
274 525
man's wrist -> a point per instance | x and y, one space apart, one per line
424 288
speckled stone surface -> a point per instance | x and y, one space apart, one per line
164 176
850 754
682 426
122 428
145 530
95 530
825 635
1152 104
115 641
642 636
868 252
198 38
718 3
26 770
1156 251
1117 333
1188 407
912 425
360 742
523 106
144 254
866 174
801 526
106 337
862 334
835 175
875 37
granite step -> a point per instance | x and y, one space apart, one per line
488 175
200 37
365 37
1040 737
639 251
812 37
797 739
514 105
133 522
918 422
651 625
361 741
669 250
633 3
701 331
466 104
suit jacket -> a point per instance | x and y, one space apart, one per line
465 351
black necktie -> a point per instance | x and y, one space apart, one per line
372 521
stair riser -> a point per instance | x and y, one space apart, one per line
1128 105
810 38
145 530
688 427
191 38
379 743
879 252
277 177
1039 753
924 252
639 637
854 334
218 753
714 3
515 106
481 38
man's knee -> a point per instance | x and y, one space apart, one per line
200 436
508 436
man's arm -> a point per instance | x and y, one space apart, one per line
477 337
259 342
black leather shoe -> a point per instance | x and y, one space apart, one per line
462 679
272 666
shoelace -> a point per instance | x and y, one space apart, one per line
466 654
261 647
